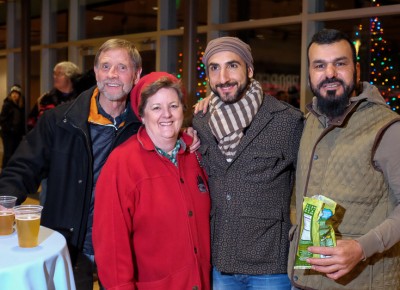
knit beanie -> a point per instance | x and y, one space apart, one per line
232 44
148 79
16 89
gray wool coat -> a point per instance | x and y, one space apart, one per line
250 215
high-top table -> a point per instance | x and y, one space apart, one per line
45 267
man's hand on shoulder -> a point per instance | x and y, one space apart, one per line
202 105
196 141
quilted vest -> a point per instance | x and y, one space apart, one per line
338 162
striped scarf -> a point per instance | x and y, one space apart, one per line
228 121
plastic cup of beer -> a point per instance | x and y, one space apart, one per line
7 214
27 218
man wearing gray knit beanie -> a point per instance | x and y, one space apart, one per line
249 144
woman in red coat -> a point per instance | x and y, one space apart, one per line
151 217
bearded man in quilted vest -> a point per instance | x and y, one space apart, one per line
349 152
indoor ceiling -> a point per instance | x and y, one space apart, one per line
117 17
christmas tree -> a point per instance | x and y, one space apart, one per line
383 64
201 87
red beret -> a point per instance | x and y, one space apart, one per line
142 84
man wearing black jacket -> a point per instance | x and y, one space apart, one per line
69 146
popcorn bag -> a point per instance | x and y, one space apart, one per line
315 228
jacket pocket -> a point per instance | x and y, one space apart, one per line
264 164
260 236
292 231
293 238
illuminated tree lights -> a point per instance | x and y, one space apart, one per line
201 87
382 65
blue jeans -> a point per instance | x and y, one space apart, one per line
223 281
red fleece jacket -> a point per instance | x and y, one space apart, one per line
151 219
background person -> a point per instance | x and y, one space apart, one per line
349 152
12 122
151 222
68 83
249 144
65 76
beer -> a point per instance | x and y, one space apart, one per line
6 214
28 230
28 224
6 222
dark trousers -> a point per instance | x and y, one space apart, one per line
84 271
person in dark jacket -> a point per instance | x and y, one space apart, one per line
249 148
65 78
69 146
12 122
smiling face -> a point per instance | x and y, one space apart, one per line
115 74
228 76
163 118
332 76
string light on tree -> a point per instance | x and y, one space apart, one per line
201 87
357 42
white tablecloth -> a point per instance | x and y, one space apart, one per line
45 267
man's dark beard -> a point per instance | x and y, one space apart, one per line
333 106
240 92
